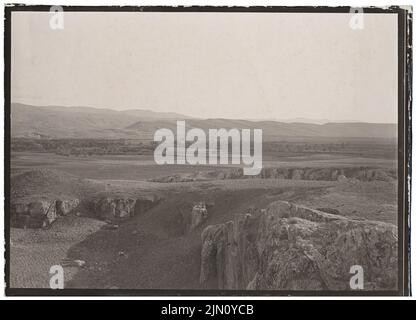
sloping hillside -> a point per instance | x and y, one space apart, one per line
83 122
273 129
78 122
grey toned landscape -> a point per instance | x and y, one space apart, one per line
87 194
326 199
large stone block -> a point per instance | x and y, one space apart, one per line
290 247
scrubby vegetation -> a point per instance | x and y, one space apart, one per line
83 147
381 148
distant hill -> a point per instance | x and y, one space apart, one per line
273 129
309 120
87 122
78 122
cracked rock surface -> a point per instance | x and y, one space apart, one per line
291 247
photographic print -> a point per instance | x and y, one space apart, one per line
206 150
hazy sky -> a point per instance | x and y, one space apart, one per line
264 65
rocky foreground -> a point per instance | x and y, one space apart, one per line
290 247
40 197
282 247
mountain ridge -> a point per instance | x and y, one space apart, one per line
89 122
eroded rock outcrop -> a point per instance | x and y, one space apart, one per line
110 208
198 215
324 174
39 197
290 247
40 213
64 207
193 215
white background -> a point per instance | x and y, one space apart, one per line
379 3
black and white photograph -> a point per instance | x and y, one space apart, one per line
207 150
